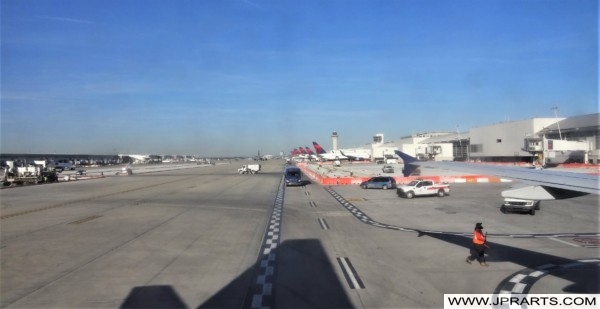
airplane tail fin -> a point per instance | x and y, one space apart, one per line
409 167
318 148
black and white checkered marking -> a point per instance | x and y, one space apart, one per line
263 288
522 281
366 219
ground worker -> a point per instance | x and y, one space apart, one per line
478 250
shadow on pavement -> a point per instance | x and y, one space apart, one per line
154 296
302 277
590 283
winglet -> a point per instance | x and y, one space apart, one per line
409 167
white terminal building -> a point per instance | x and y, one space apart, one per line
544 141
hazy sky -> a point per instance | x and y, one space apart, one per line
230 77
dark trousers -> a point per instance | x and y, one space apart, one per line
477 252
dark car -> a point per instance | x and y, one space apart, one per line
293 176
379 182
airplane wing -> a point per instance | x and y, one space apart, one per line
543 184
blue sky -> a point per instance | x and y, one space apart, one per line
231 77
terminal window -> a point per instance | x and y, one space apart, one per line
476 148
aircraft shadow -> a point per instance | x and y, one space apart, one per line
153 296
589 284
303 278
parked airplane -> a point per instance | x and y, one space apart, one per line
540 184
136 157
353 155
298 156
311 154
328 156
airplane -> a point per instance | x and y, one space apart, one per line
538 184
136 157
298 155
328 156
311 154
355 156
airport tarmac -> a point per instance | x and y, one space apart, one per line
211 238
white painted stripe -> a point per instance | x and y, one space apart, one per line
323 224
269 271
257 301
349 273
261 279
518 288
267 289
565 242
537 273
589 260
517 278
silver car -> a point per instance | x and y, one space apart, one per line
388 169
379 182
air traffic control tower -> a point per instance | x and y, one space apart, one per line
378 139
334 141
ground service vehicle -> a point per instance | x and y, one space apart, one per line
249 169
293 176
422 187
520 205
126 170
388 169
32 174
379 182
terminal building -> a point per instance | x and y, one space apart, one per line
543 141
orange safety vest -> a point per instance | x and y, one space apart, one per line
478 238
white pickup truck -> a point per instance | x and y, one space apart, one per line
520 205
421 187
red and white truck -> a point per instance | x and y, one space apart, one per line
422 187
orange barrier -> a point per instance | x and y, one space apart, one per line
445 179
400 180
